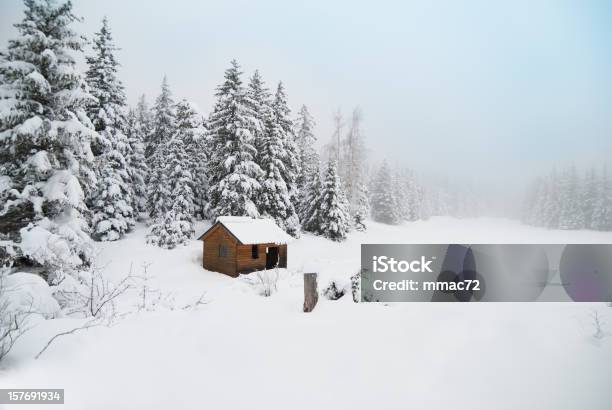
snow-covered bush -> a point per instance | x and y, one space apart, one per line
22 297
150 297
90 294
333 291
265 281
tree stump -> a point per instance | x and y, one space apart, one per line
311 295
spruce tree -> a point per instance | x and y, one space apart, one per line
306 143
334 217
400 195
107 111
163 128
568 202
158 191
362 208
233 172
45 137
602 212
310 203
257 97
136 163
191 131
140 130
551 209
570 215
144 117
112 200
275 160
291 157
588 198
176 225
383 200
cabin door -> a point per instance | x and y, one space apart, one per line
272 257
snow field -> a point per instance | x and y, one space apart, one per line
241 350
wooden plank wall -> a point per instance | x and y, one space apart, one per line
246 263
212 260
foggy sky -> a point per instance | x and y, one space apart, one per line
477 90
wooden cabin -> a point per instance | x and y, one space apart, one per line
235 245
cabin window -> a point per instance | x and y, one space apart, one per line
254 251
222 251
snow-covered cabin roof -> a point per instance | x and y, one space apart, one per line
251 231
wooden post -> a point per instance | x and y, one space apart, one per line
311 295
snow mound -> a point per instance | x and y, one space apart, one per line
251 231
26 292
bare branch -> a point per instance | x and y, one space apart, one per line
91 323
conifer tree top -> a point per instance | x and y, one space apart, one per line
102 71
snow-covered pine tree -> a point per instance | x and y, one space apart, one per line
282 115
306 144
309 212
400 194
191 131
111 201
233 172
278 161
258 99
170 231
335 220
362 209
383 200
551 202
45 136
164 127
158 190
602 213
107 111
425 207
136 163
588 199
570 216
414 198
140 130
144 116
176 226
407 194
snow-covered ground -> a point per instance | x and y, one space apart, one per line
241 350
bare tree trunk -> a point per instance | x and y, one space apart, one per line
311 295
338 124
